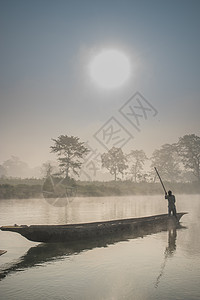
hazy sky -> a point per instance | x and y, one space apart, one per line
46 89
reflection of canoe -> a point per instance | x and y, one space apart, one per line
45 253
95 230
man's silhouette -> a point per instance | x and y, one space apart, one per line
171 203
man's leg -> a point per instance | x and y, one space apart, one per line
169 211
174 211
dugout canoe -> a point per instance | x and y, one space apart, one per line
94 230
2 252
43 253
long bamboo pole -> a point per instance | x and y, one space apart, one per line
161 180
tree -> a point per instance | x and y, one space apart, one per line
70 153
189 150
48 168
167 161
115 161
2 171
137 159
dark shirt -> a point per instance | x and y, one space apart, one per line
171 200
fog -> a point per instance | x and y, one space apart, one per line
46 89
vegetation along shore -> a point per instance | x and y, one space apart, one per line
33 188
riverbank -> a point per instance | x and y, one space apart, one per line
33 188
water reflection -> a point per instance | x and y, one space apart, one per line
169 251
45 253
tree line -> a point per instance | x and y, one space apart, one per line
179 161
176 162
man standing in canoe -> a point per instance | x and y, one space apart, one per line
171 203
171 199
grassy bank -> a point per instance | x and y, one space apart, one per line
32 188
124 188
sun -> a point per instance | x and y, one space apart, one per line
110 69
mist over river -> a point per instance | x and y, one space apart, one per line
163 265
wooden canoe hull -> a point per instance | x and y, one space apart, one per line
2 252
95 230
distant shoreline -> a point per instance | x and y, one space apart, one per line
33 188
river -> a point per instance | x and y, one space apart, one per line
163 265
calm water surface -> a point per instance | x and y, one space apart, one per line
164 265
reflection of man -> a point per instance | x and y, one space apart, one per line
171 242
171 203
169 251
